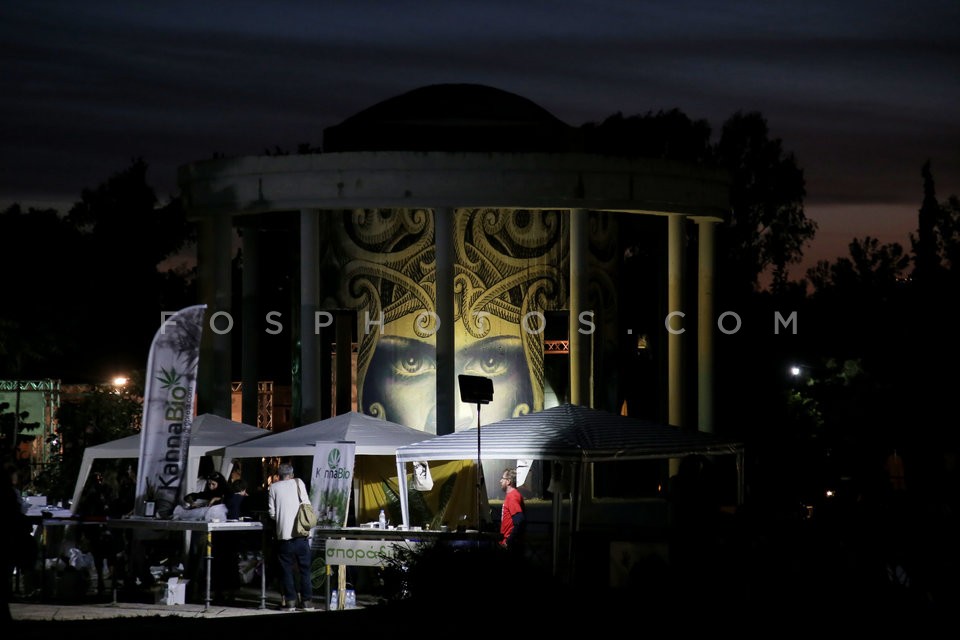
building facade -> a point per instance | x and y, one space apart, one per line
455 229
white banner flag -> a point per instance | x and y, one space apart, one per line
168 410
332 482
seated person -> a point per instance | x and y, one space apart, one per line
214 493
235 500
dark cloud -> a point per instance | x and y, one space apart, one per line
862 92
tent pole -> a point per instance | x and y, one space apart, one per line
404 498
479 468
574 517
557 499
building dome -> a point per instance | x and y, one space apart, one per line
451 117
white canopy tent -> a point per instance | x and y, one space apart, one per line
373 437
567 433
208 434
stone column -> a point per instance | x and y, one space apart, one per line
675 296
309 305
214 255
580 343
446 348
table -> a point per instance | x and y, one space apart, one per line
365 546
46 523
207 528
362 553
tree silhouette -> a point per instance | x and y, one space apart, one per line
872 267
85 295
925 249
767 227
44 279
670 135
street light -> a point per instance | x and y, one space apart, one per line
480 390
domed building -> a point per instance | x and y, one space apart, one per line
458 229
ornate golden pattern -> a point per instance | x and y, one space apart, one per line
509 263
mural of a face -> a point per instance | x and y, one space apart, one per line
401 379
508 264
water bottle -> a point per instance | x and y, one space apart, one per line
383 519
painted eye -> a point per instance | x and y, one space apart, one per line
414 365
492 364
489 364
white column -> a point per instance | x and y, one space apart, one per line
705 321
675 341
580 352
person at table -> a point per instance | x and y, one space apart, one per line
236 499
293 553
215 492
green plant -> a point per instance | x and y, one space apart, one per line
99 415
419 509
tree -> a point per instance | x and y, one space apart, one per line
767 227
45 268
670 135
872 267
84 291
936 245
101 414
893 324
925 243
948 229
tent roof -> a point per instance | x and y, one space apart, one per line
569 432
208 432
373 436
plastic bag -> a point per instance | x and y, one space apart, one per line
422 480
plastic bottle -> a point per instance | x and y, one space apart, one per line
383 519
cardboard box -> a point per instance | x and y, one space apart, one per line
176 591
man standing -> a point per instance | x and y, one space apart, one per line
512 518
293 553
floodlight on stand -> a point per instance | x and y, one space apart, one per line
480 390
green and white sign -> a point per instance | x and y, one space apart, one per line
332 482
365 553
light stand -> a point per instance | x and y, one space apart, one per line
480 390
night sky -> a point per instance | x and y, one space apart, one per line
863 93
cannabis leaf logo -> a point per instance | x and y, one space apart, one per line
169 378
333 458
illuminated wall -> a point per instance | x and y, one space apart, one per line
511 268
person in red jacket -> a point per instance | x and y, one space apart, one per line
512 517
